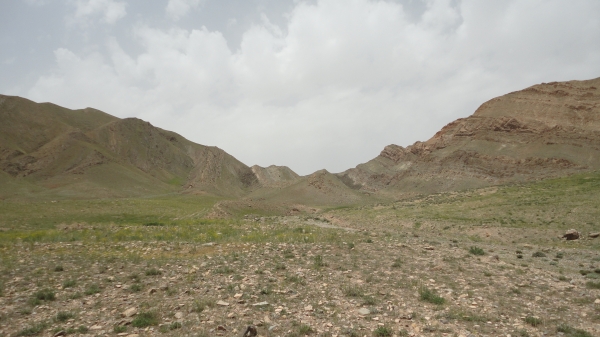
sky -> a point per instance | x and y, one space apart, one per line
316 84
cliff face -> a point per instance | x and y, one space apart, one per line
543 131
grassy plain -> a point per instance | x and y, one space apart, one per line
479 262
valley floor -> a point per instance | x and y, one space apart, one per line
302 280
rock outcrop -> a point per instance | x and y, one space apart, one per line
544 131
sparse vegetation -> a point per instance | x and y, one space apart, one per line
69 283
44 295
430 296
33 330
383 331
352 291
533 321
476 250
592 285
318 261
63 316
153 272
539 254
92 289
569 331
119 328
144 319
168 269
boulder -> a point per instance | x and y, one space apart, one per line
571 234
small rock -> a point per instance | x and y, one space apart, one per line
364 311
96 327
60 333
179 315
597 301
594 235
237 295
231 315
152 291
571 234
260 304
222 303
221 328
308 308
129 312
133 335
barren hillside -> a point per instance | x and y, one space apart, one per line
546 130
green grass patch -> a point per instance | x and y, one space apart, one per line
428 295
44 295
33 330
145 319
383 331
592 285
63 316
352 291
92 289
476 250
533 321
569 331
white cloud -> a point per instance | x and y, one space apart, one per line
176 9
110 10
341 81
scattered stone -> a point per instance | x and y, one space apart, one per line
96 327
179 315
129 312
222 303
260 304
60 333
308 308
221 328
571 234
594 235
250 331
364 311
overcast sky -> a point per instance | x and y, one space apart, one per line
307 84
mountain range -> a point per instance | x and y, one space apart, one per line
547 130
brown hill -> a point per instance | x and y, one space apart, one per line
47 149
275 176
543 131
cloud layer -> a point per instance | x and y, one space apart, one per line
338 82
109 10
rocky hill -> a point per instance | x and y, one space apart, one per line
47 149
546 130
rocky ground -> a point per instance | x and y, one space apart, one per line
352 281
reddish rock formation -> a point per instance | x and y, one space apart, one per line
546 130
